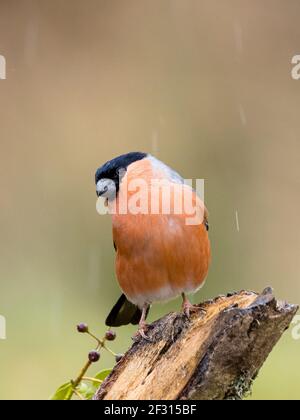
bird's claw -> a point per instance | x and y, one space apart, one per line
188 308
141 332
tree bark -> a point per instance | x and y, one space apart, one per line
216 354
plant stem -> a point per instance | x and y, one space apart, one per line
78 380
81 376
87 378
109 350
79 395
100 342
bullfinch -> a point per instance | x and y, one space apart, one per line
161 252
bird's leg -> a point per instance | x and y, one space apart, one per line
142 324
188 307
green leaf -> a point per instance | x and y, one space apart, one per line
87 391
83 388
63 393
101 376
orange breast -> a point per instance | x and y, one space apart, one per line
159 256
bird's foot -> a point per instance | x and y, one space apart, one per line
188 308
141 332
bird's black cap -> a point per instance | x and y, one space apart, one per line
110 170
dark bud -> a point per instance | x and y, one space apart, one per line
82 328
94 356
119 357
110 335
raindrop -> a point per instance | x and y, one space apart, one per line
238 35
242 114
155 147
237 221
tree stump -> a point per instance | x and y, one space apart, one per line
216 354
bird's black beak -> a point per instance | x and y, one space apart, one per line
102 191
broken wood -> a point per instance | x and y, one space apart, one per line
215 355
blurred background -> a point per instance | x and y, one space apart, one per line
206 87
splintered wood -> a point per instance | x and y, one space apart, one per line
215 354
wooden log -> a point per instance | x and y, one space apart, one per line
216 354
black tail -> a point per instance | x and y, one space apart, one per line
123 313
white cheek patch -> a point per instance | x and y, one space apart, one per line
107 188
111 192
